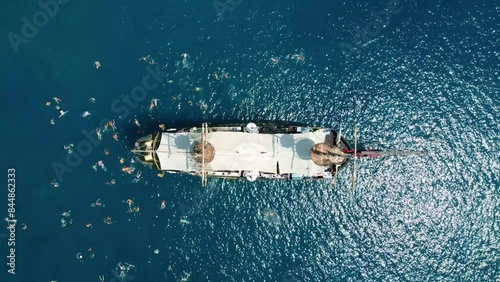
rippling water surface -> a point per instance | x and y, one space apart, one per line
428 80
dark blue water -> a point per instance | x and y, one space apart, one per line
428 80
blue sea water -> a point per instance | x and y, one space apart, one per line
428 80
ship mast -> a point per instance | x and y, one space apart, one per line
337 143
355 156
204 131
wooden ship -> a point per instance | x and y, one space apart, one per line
253 151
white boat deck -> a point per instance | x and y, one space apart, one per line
240 151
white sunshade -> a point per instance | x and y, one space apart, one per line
239 151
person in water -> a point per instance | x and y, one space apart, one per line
69 148
61 112
54 183
80 257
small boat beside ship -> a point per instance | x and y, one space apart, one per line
252 151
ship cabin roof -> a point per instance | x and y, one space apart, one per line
241 151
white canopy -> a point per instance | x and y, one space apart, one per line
239 151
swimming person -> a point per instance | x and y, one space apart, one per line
184 58
61 112
184 221
54 183
98 132
80 257
69 148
